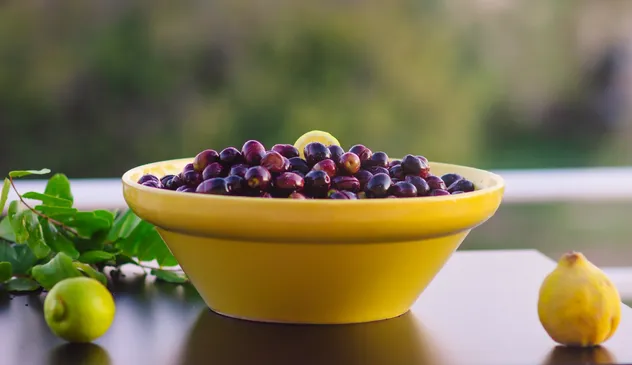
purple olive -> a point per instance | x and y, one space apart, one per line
252 152
258 177
328 165
286 150
204 159
213 170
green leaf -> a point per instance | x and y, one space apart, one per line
59 268
152 247
18 221
86 223
123 225
6 231
6 271
93 257
22 285
4 194
24 259
106 215
53 212
129 245
59 187
91 272
169 276
122 259
48 199
7 253
21 173
35 241
57 241
92 243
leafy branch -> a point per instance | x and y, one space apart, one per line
43 244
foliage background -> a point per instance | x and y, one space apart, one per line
93 88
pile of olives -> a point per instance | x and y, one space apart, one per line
326 172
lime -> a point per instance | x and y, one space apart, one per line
314 136
79 309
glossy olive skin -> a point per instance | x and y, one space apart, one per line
274 162
298 164
258 178
317 183
185 189
239 170
378 170
361 151
395 162
230 156
403 189
457 192
252 152
166 179
204 159
174 183
425 171
435 183
349 163
378 159
289 181
336 151
152 184
438 192
315 152
345 195
397 172
191 178
328 165
148 177
378 186
188 167
346 183
297 195
421 185
213 170
463 185
450 179
235 184
214 186
286 150
363 177
412 165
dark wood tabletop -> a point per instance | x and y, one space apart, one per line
480 309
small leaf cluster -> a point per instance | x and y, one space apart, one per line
43 244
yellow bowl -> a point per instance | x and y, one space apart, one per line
312 261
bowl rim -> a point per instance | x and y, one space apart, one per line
498 183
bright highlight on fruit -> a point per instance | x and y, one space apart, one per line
578 304
79 309
314 136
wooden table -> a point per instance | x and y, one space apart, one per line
481 309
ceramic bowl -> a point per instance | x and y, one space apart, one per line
312 261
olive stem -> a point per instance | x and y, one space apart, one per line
51 220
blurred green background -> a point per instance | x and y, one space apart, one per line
94 88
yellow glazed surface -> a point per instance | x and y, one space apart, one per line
312 261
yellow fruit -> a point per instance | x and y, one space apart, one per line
79 309
578 305
314 136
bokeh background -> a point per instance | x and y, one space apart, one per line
93 88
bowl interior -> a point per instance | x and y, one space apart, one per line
322 221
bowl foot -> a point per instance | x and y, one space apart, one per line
272 321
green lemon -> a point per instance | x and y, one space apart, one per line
79 309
